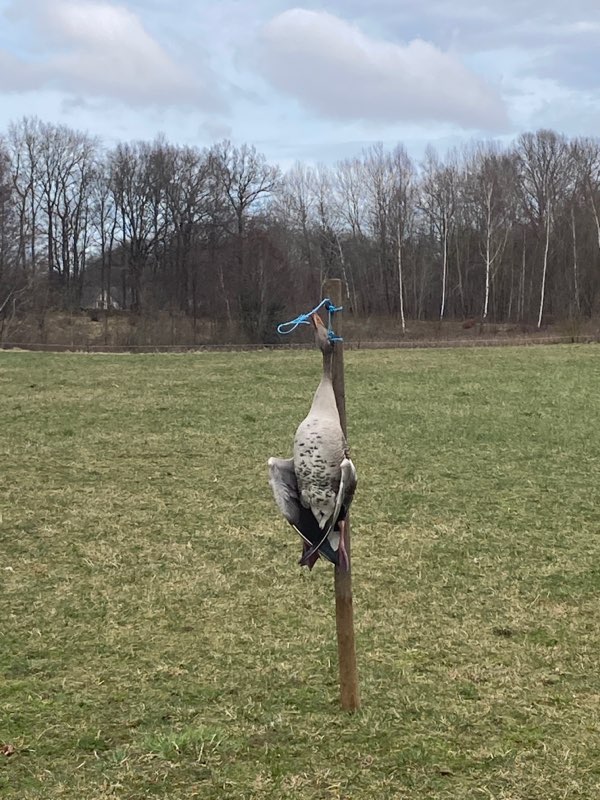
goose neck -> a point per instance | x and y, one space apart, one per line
328 364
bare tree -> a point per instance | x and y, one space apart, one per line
505 232
295 207
23 144
246 181
540 157
8 218
493 192
104 227
137 182
188 204
439 202
403 208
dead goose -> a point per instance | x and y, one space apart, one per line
314 489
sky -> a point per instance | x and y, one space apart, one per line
315 82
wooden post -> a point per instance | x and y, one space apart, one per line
344 615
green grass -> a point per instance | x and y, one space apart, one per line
157 638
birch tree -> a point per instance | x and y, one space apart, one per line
539 158
403 205
494 177
438 203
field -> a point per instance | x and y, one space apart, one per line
157 638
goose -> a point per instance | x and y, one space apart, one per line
314 489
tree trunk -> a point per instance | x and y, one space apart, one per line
343 265
545 269
103 293
400 280
575 265
444 267
225 298
487 275
488 254
521 303
596 218
461 290
512 287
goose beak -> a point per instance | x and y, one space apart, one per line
317 321
321 335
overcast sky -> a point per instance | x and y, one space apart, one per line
314 82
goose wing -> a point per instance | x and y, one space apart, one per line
282 478
344 497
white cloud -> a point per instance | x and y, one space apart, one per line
339 72
97 48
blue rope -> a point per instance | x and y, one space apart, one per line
304 319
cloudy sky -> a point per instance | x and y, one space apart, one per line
311 81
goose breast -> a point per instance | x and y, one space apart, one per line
319 448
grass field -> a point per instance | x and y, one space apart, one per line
157 638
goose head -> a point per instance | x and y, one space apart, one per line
324 343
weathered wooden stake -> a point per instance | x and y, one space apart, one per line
344 615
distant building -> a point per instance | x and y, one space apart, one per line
94 299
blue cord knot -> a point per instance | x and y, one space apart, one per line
304 319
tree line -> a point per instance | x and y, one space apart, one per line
502 233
